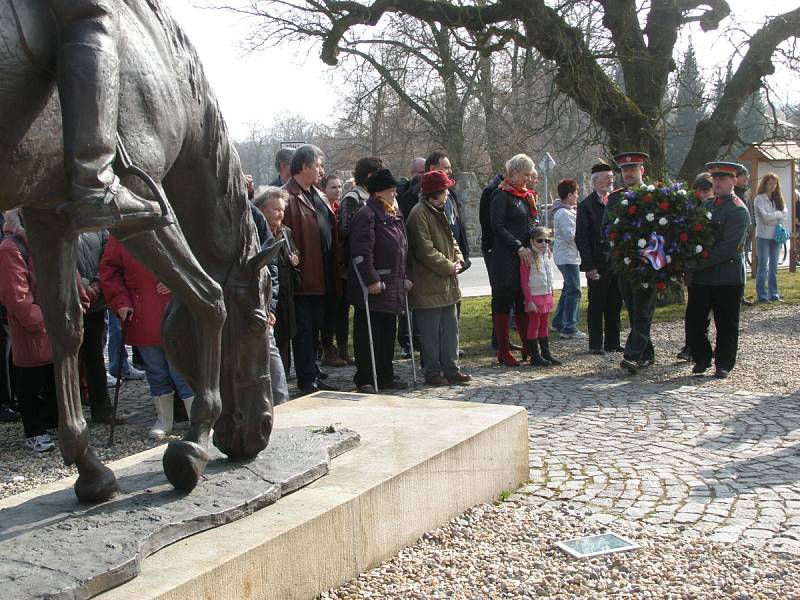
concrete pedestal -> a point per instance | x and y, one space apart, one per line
420 462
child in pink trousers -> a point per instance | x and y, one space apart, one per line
537 288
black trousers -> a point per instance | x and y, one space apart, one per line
505 298
36 393
8 372
330 320
605 304
384 330
641 304
91 354
725 302
309 311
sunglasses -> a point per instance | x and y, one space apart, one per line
542 241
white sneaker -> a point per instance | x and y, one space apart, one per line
40 443
576 335
111 381
133 374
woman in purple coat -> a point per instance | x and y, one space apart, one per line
378 249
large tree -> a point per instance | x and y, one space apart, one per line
638 38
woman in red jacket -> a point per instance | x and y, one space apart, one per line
33 355
135 295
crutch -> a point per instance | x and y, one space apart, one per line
121 359
410 338
357 261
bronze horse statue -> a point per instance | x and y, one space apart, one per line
214 331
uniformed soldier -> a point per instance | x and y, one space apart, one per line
718 280
640 302
88 87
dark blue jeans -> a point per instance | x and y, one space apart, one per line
567 313
309 311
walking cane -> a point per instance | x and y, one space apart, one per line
411 340
121 359
357 261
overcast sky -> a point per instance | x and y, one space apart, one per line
254 87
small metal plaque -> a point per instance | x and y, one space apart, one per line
341 395
596 545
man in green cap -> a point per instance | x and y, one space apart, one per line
718 279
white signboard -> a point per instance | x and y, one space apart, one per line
292 145
547 163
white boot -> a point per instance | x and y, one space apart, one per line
187 403
163 424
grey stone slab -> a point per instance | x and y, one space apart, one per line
53 547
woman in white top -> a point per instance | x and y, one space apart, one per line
567 259
769 208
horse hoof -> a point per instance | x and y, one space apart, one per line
184 463
96 482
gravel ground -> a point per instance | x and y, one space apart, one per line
508 551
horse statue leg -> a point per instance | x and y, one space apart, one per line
166 253
53 248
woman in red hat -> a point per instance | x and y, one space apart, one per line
436 261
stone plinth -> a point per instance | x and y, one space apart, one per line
419 463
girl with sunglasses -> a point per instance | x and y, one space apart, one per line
537 288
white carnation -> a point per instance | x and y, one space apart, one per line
616 221
663 221
681 192
709 215
624 203
668 258
698 249
626 260
610 243
650 217
651 188
642 243
645 285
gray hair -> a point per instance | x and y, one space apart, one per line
520 163
13 221
265 193
305 155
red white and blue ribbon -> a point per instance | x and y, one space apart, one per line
654 252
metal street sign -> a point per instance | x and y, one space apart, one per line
547 163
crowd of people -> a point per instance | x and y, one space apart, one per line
392 250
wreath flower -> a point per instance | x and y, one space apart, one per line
666 219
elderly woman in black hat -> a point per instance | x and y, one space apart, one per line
378 251
436 262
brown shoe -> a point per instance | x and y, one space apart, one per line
458 378
436 381
330 358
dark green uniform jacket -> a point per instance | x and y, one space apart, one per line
725 265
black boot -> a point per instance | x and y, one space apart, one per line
545 344
88 87
536 358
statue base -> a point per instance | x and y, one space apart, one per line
53 547
420 462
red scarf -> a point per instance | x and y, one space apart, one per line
521 192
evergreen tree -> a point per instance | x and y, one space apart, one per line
688 108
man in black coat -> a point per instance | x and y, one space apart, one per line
605 300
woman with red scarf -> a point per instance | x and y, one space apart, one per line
513 217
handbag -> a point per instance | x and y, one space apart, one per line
781 235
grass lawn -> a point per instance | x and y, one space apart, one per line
476 313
